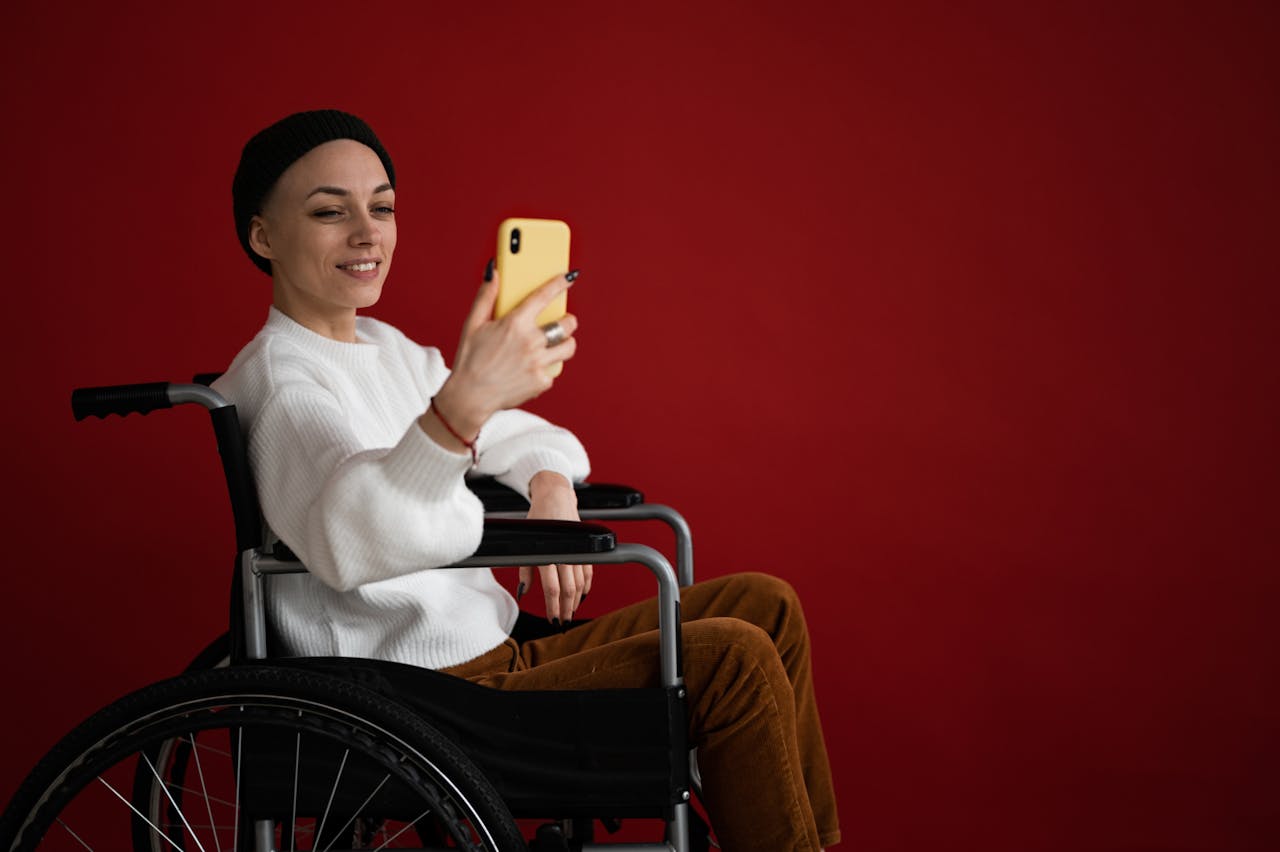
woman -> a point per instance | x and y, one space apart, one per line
360 440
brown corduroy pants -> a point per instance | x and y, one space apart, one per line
752 715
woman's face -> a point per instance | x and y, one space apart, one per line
329 229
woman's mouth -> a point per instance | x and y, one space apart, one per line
360 266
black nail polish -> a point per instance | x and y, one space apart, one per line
573 276
584 599
555 622
519 591
488 271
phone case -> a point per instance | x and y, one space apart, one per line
540 253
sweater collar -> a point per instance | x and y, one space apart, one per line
281 323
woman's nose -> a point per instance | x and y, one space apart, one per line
367 231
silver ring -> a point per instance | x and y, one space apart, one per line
555 333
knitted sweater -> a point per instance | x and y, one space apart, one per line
369 502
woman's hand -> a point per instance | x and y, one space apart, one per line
501 363
551 497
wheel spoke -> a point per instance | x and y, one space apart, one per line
73 834
403 830
204 790
214 799
173 801
297 758
332 792
207 748
143 816
356 815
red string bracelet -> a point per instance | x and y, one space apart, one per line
470 445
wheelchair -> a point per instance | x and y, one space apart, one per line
249 749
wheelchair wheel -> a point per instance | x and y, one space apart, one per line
152 798
256 758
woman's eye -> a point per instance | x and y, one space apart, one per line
327 214
385 210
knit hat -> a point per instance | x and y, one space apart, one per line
271 151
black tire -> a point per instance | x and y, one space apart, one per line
301 751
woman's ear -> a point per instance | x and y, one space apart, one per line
258 239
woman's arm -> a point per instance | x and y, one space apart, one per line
551 497
356 515
499 365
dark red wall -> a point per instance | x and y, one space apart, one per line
963 319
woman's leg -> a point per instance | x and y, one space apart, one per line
759 599
730 696
772 605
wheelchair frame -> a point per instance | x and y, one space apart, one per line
508 540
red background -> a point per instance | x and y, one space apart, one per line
962 319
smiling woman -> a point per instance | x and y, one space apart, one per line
360 440
330 246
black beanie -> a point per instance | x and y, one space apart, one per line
271 151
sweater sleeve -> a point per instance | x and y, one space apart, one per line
515 445
356 515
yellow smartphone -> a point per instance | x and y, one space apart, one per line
530 253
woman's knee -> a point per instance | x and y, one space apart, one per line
767 586
733 670
731 643
772 602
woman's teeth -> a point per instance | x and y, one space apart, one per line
361 267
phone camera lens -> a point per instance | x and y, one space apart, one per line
515 240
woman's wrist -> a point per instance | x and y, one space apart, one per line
461 409
453 421
546 481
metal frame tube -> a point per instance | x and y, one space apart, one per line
253 568
180 394
668 590
257 567
642 512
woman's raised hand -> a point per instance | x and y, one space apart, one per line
503 363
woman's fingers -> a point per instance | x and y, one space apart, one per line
568 324
482 307
581 582
562 587
525 582
537 300
550 589
560 352
569 592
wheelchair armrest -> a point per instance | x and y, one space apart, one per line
591 495
511 537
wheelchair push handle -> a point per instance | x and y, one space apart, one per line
142 398
119 399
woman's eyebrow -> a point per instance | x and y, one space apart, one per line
337 190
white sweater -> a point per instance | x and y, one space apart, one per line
369 502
